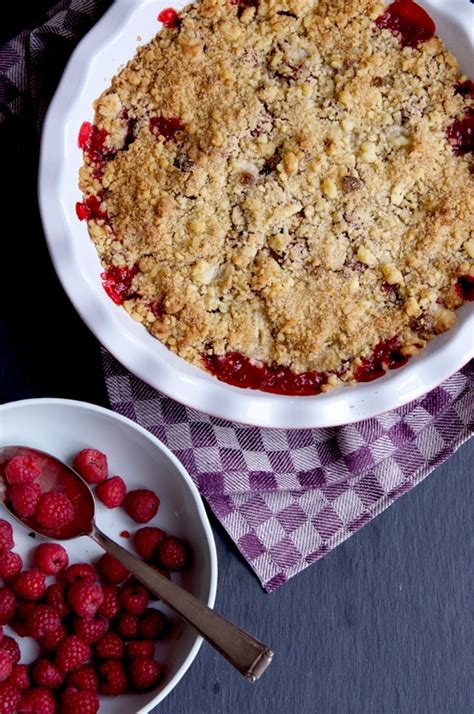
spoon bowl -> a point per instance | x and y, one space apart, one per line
58 476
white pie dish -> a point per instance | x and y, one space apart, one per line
62 427
107 47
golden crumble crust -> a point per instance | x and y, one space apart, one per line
307 206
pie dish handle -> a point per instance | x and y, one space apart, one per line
243 651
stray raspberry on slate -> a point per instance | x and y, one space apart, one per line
22 469
111 492
141 505
91 464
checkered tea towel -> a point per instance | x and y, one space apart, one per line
286 498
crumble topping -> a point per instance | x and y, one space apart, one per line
283 180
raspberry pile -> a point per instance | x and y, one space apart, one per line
94 623
51 509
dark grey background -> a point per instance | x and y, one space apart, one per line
382 625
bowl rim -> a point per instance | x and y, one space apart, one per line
194 493
145 356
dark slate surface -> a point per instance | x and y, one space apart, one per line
382 625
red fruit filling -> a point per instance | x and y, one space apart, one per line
461 135
169 17
90 209
165 127
386 355
241 371
465 287
92 140
409 21
117 283
465 89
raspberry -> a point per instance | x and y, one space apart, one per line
10 564
140 648
110 646
50 558
42 619
56 599
30 584
134 599
85 598
51 640
91 465
111 492
173 553
55 510
20 620
71 653
6 666
110 607
111 569
146 540
46 674
84 678
128 625
7 605
78 572
24 498
22 469
113 679
141 505
37 701
19 677
1 633
144 672
9 698
90 629
83 701
11 648
153 624
6 536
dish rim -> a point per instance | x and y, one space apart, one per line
194 493
145 356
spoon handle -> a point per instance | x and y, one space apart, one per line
243 651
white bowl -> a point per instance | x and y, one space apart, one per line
107 47
62 427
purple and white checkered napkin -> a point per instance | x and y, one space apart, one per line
286 498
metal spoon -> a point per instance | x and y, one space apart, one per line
243 651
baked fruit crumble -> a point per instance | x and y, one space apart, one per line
281 191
